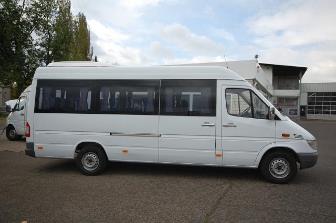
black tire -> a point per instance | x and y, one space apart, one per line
11 133
97 157
275 163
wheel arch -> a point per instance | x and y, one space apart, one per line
81 145
272 149
10 125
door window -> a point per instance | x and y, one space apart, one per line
238 102
245 103
22 103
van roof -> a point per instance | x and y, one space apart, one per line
101 71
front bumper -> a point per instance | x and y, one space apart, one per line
30 149
307 160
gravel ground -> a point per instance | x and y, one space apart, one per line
50 190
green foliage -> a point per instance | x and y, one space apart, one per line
81 39
17 48
63 32
36 32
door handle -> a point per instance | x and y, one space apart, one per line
229 125
209 124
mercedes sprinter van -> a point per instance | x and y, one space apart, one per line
190 115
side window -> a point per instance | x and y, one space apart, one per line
21 104
245 103
238 102
188 97
54 96
129 97
260 109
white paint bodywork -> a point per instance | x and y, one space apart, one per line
162 139
17 118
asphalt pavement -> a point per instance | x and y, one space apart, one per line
51 190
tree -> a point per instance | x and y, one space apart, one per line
44 13
81 39
18 52
36 32
63 32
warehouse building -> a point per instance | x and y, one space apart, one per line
318 101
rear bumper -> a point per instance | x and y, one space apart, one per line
307 160
30 149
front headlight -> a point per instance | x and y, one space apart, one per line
312 144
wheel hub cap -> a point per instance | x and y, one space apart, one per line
12 132
90 161
279 168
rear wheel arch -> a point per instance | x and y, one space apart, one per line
81 145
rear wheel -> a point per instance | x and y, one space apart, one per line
91 160
11 133
278 167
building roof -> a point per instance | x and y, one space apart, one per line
288 69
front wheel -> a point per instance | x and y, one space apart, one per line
91 160
278 167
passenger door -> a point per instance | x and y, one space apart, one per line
246 128
188 122
132 107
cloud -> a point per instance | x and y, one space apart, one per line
119 13
196 45
105 33
300 32
110 43
157 50
197 59
139 3
222 33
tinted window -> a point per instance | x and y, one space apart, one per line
129 97
245 103
84 96
188 97
64 96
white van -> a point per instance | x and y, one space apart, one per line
15 126
161 114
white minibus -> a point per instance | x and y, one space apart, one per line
15 126
161 114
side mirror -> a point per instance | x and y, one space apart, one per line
271 114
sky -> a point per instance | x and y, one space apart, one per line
153 32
